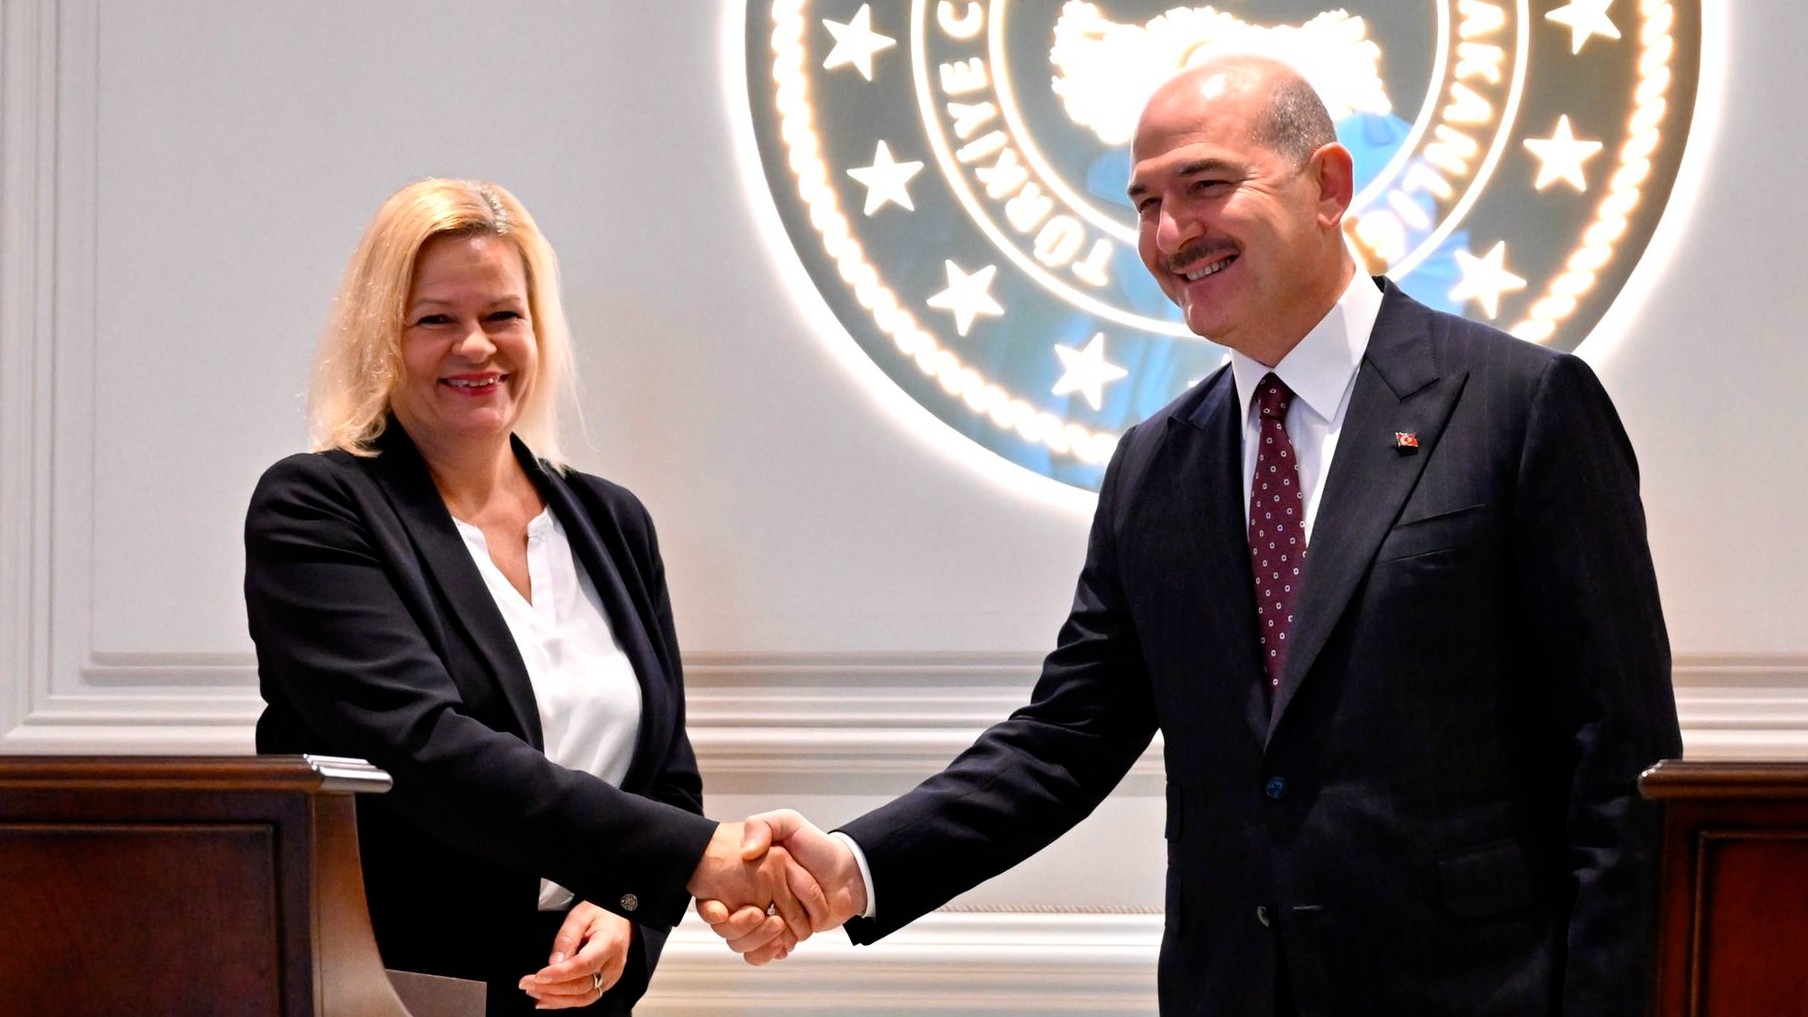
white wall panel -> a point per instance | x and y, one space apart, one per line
1711 373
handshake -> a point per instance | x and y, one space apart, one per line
767 883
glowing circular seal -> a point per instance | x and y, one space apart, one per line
952 176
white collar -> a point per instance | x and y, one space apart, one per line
1320 367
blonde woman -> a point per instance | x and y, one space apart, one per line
432 590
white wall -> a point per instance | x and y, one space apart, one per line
181 181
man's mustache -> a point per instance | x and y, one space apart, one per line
1198 251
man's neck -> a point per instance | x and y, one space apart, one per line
1272 349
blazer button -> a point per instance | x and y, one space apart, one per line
1275 788
629 902
1262 914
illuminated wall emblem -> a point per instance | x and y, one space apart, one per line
952 175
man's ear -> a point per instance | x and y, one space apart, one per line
1333 171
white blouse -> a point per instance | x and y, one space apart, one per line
584 685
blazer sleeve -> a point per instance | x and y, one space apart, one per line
340 647
1589 593
675 779
1031 777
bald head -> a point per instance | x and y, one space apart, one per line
1285 114
1240 190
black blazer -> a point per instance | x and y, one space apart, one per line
377 638
1438 816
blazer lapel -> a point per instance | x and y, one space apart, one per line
597 546
1207 483
1398 389
401 471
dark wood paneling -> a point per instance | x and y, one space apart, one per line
1753 951
133 894
1734 932
185 887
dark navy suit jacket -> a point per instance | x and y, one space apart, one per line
377 638
1438 815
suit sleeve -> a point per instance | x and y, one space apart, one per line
339 647
1031 777
676 781
1589 592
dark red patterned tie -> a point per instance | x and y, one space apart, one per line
1277 527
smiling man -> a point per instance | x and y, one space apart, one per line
1382 584
1240 194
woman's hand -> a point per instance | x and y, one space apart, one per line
587 959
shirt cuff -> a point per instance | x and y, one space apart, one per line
866 874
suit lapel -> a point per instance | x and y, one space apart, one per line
1207 483
402 473
597 545
1398 389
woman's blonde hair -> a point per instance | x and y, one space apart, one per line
359 362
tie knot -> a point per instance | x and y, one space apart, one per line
1272 397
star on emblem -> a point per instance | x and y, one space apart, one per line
856 42
1086 371
1560 157
1585 18
1485 278
966 296
886 177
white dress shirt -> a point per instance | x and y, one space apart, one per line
1321 371
584 685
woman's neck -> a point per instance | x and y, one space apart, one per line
477 478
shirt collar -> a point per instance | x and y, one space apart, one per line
1319 369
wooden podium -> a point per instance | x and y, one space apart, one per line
192 886
1733 937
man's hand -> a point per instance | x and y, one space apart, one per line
829 864
830 890
769 889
